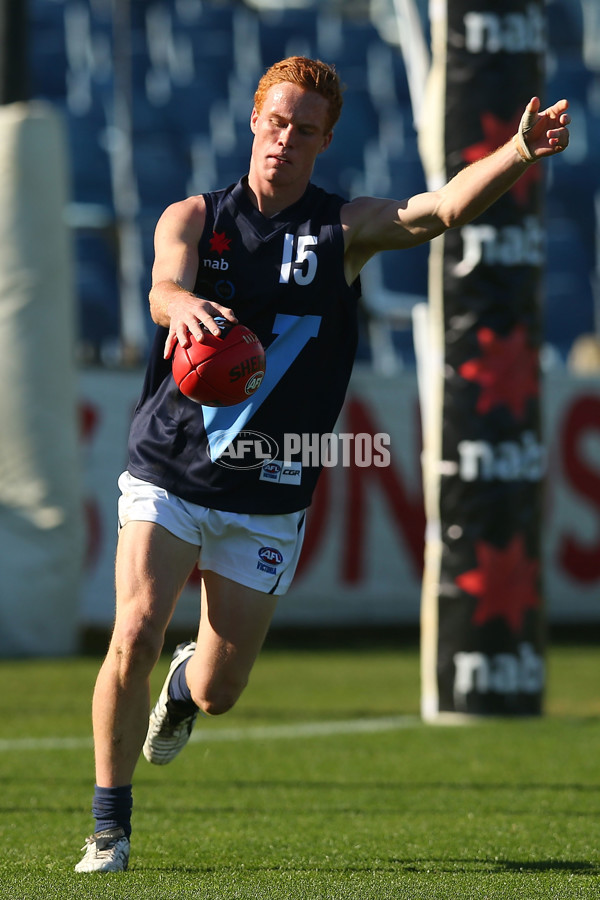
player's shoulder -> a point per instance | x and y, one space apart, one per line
357 211
186 210
358 208
186 215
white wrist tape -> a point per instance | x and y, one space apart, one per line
528 120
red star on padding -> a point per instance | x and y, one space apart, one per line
505 583
507 371
219 242
495 133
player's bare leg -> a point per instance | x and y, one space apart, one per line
210 673
152 567
233 626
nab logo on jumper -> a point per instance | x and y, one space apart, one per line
290 289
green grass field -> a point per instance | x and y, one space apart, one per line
287 798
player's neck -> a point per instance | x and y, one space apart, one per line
269 199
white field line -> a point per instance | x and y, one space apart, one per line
205 734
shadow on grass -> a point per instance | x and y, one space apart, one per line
424 867
576 866
572 866
352 784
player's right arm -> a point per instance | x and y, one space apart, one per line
173 303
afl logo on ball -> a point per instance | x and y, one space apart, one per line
254 382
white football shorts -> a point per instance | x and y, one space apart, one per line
258 551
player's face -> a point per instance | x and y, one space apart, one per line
289 133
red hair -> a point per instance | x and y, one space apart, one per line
310 74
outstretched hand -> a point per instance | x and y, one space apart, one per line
543 133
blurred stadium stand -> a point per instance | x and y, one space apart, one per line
193 69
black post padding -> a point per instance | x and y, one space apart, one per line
489 619
14 68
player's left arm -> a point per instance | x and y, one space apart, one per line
373 224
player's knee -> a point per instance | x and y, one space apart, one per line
217 698
137 645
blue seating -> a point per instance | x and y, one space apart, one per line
327 175
97 286
194 66
568 295
47 54
358 123
47 62
570 196
286 32
349 51
568 77
89 161
163 168
565 24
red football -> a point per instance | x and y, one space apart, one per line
220 371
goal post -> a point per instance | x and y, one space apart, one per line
477 343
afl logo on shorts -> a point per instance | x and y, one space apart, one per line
271 556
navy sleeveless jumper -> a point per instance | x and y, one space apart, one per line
284 278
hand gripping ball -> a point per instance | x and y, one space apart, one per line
220 371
